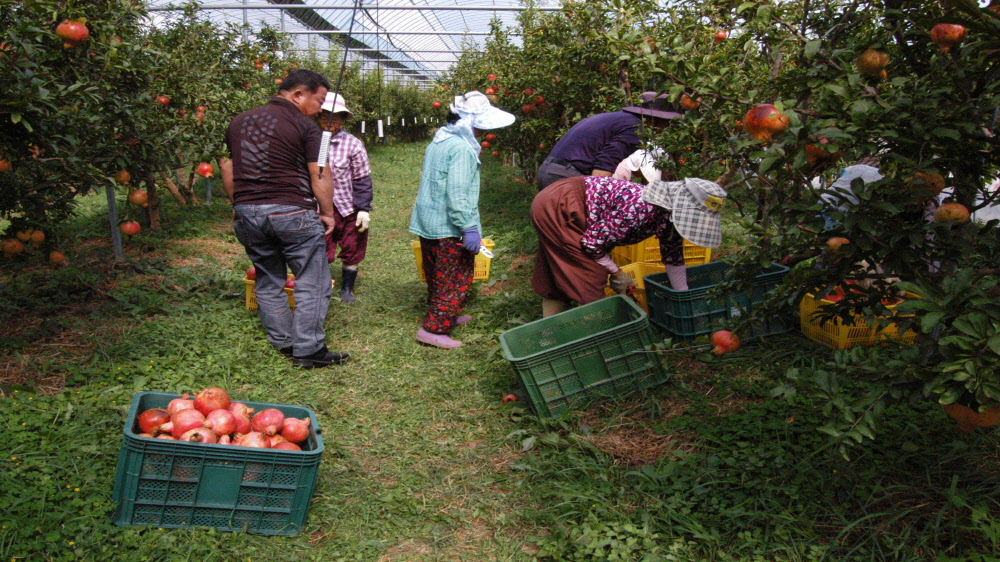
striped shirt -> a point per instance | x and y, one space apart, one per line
448 198
348 161
617 215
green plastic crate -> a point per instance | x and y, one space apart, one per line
592 352
174 484
686 315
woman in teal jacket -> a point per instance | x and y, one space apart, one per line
446 213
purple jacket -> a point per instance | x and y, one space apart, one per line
600 141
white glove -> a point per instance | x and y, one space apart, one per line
363 219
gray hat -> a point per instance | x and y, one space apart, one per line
652 105
695 207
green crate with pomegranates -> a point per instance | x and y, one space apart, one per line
170 484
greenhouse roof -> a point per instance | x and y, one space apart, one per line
414 39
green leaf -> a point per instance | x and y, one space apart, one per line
15 117
811 48
946 133
837 89
994 343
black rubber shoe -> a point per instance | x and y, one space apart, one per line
322 358
286 351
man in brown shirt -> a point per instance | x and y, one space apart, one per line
272 180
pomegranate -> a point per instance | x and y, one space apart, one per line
24 235
873 63
275 439
688 103
947 35
834 244
178 404
145 434
4 166
290 282
129 228
287 446
225 440
485 144
254 439
923 182
151 420
166 436
823 155
527 108
72 33
240 408
491 77
200 435
949 212
184 421
269 421
57 258
491 137
206 170
724 342
436 104
37 237
123 177
200 117
11 247
720 36
242 423
163 100
510 398
210 399
490 91
764 122
138 197
221 421
295 430
251 273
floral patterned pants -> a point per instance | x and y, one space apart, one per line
448 268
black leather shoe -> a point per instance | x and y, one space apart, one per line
286 351
321 358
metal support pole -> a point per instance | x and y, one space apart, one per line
116 235
208 191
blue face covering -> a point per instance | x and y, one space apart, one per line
461 128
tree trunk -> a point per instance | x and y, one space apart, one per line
172 188
153 210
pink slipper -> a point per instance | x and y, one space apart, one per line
463 319
437 340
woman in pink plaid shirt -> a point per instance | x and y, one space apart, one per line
352 193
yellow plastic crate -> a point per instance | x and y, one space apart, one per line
649 251
251 299
839 335
637 271
482 265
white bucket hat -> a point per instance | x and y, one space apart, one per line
485 115
645 161
335 104
695 207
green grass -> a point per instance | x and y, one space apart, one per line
423 462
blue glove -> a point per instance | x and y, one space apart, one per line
471 240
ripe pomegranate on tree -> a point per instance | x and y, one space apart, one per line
873 63
163 100
688 103
11 247
129 228
4 166
206 170
138 197
123 177
764 121
720 36
947 35
949 212
72 33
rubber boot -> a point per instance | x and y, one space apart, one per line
347 284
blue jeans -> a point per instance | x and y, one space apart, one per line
277 237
